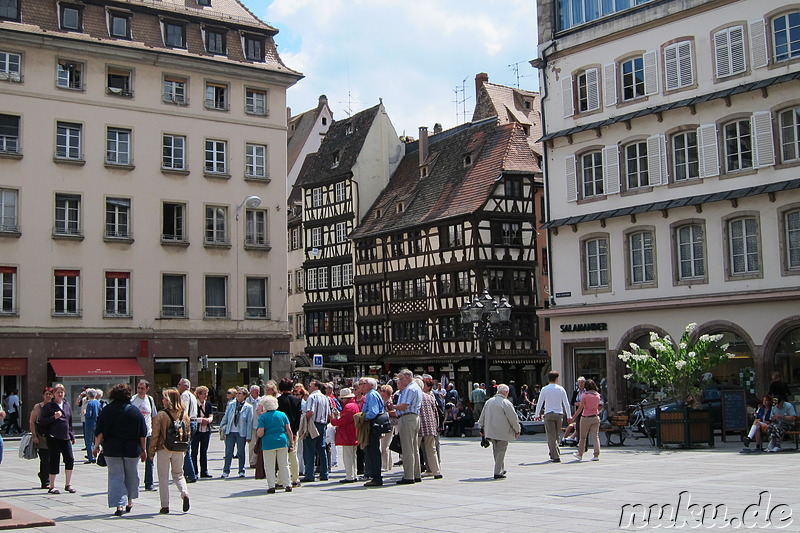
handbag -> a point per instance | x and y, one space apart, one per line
395 445
382 423
27 449
101 458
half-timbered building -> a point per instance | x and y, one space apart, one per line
339 183
456 218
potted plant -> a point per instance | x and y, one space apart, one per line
678 370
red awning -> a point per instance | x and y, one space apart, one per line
96 367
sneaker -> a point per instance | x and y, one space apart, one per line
224 475
594 459
776 449
577 456
241 474
288 489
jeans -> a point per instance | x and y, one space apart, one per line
240 442
88 437
313 449
372 455
123 480
200 445
148 469
188 467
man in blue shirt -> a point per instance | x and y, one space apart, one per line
93 408
373 407
407 411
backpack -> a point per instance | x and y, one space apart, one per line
178 434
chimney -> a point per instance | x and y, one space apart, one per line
437 129
323 100
423 144
480 79
288 114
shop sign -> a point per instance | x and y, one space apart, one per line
338 358
13 367
592 326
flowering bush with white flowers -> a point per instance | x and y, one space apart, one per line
676 370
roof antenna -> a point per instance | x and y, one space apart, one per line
461 101
515 69
349 108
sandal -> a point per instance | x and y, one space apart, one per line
53 491
70 489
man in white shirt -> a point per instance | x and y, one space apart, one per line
252 400
556 403
318 412
145 403
190 409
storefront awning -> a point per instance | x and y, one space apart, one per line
96 367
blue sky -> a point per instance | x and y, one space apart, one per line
411 53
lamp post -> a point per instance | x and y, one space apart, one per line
485 318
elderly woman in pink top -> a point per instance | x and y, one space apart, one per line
589 411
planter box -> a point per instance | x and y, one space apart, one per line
684 427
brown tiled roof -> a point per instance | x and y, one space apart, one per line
450 189
337 140
508 105
42 15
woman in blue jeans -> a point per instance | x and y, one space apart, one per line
238 427
122 432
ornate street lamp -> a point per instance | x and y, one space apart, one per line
485 318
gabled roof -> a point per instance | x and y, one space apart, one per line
300 127
451 188
509 105
345 139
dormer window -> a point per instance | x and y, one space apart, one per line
215 41
348 130
254 47
174 34
324 121
467 160
119 25
70 17
336 158
527 104
204 3
378 213
423 171
401 207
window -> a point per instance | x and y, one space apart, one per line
8 290
173 301
256 161
300 327
520 281
256 298
513 187
743 246
174 90
322 278
254 48
444 284
729 52
70 17
641 259
216 156
117 291
68 141
691 252
119 25
678 65
69 75
738 145
791 222
506 234
217 96
785 36
685 163
336 276
633 78
118 147
68 215
119 82
174 35
316 237
588 90
118 215
255 102
9 134
462 282
9 9
311 282
294 239
596 263
574 12
298 276
347 275
316 197
790 134
65 294
336 158
216 297
9 222
256 228
173 223
592 174
340 191
215 41
341 231
636 165
10 66
216 225
453 236
173 155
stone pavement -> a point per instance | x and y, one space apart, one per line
570 496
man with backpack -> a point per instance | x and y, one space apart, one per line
145 403
190 410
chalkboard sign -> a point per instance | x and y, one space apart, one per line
734 411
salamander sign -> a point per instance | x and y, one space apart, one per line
592 326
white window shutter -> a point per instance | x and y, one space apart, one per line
671 67
571 175
655 160
738 58
758 43
763 145
722 56
650 60
592 89
611 169
566 96
610 84
685 63
708 152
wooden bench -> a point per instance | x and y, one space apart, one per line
618 424
795 433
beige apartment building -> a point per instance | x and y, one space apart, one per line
672 153
142 181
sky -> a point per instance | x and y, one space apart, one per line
419 56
